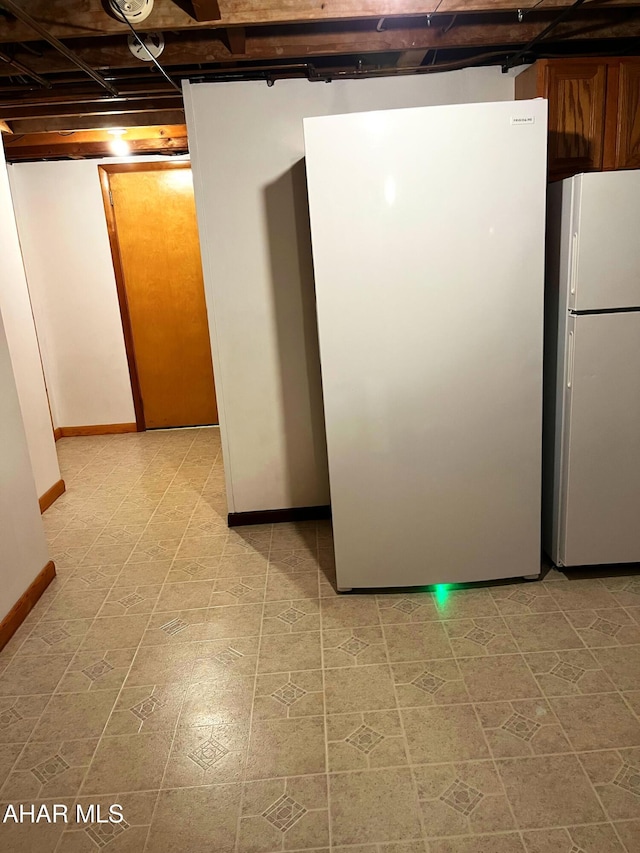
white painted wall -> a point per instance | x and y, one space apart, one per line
63 233
23 548
23 346
247 155
64 239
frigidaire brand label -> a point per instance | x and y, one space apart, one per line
522 120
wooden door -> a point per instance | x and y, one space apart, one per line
576 93
151 211
628 115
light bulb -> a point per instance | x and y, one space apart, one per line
119 147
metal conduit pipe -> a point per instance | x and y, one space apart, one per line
23 16
24 70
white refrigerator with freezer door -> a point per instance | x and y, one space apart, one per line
428 243
592 389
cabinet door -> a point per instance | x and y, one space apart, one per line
576 95
628 123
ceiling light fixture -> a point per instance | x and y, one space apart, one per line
119 146
135 11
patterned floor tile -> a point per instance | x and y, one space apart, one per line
195 816
291 617
373 805
206 755
214 682
431 682
599 721
571 672
480 637
549 791
461 799
99 669
615 774
365 688
128 763
543 632
289 694
366 741
286 747
601 628
50 769
286 814
599 838
522 727
443 734
490 679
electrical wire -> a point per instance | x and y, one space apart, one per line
511 60
143 46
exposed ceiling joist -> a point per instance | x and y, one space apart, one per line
64 20
119 107
46 85
42 32
16 65
164 139
411 58
206 10
53 123
58 140
263 44
236 40
82 95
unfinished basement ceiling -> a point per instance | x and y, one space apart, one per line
43 89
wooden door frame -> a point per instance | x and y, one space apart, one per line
104 171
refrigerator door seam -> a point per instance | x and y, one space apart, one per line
563 393
573 260
567 397
586 312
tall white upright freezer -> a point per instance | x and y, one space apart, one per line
428 244
592 398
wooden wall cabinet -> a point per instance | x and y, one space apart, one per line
627 148
594 112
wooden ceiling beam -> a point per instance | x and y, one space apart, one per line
236 40
411 58
107 108
75 93
47 124
263 45
130 134
206 10
82 150
65 21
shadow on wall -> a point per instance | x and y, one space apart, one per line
289 235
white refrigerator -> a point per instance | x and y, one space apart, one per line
592 388
428 244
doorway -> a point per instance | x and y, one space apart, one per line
153 233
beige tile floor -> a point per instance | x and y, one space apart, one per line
214 684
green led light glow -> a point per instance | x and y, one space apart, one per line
441 594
